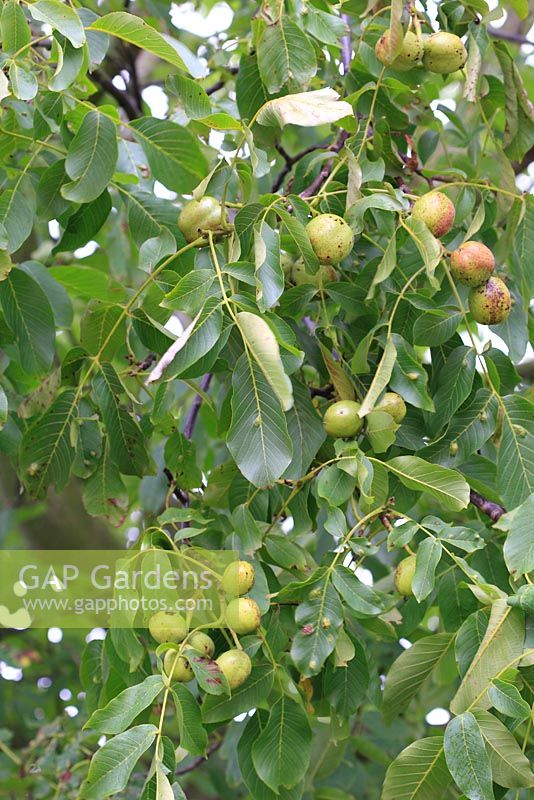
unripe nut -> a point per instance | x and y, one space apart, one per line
436 211
341 419
409 56
394 405
235 665
472 263
177 668
491 303
167 626
243 615
444 53
199 216
238 578
202 643
404 576
331 238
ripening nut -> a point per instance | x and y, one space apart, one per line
177 668
235 665
404 576
341 419
243 615
325 274
436 211
472 263
491 303
409 56
444 53
330 237
238 578
453 449
199 216
202 643
167 626
394 405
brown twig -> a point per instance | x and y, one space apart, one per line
199 760
317 182
195 407
492 510
123 98
509 37
291 161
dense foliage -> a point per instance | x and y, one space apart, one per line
215 434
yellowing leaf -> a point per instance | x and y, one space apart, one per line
305 108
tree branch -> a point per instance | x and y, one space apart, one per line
191 418
509 37
200 760
291 161
123 98
317 182
493 510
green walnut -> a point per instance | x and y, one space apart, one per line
444 53
243 615
325 274
177 668
236 666
472 263
436 211
404 576
238 578
409 56
168 626
199 216
341 419
330 237
202 643
491 303
394 405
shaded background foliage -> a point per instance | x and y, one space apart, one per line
96 283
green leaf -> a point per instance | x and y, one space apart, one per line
173 153
519 544
428 557
467 758
121 711
429 247
47 453
524 244
262 345
85 282
17 212
23 83
455 383
381 378
346 686
250 694
250 90
70 61
418 773
14 28
319 619
356 213
207 673
510 766
102 329
505 697
3 408
180 458
361 598
335 485
445 485
268 271
409 377
305 430
194 98
104 493
515 460
85 223
381 430
285 53
502 645
126 441
112 765
193 735
61 17
387 264
411 669
56 295
134 30
91 159
281 753
435 327
29 316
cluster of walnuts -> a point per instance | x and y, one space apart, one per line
242 616
441 52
